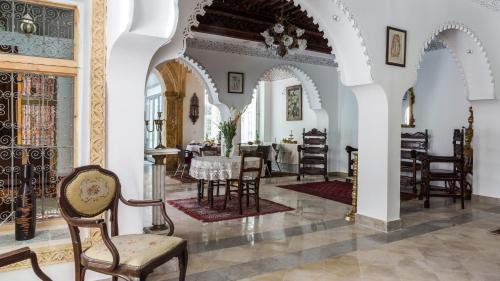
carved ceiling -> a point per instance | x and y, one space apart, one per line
246 19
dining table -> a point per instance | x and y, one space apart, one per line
217 168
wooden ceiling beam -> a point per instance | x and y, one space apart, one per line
245 35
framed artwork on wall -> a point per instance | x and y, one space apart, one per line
294 103
396 47
235 82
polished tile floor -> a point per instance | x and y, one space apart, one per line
314 243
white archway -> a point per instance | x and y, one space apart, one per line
470 56
312 93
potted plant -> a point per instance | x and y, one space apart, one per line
228 129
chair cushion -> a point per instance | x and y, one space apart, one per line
135 250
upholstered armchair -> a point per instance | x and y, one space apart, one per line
22 255
90 191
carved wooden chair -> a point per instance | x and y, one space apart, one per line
449 176
414 147
210 151
91 191
248 181
313 154
22 255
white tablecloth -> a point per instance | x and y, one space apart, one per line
288 153
219 167
194 147
253 147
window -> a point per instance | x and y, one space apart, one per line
37 100
212 119
249 120
154 104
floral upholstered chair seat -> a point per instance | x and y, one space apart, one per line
135 250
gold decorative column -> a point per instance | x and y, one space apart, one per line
469 153
351 216
98 83
174 75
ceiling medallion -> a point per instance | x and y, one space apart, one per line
285 38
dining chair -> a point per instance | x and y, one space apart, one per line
456 174
89 192
184 160
248 180
23 254
210 151
277 150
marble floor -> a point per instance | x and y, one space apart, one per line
313 242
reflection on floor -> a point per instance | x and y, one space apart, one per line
314 243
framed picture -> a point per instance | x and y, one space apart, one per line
294 103
396 47
235 82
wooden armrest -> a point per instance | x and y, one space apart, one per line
21 255
350 149
442 159
101 224
151 203
89 223
141 203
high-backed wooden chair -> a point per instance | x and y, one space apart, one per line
248 181
22 255
451 177
91 191
414 147
313 154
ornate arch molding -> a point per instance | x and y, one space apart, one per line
344 36
208 82
482 64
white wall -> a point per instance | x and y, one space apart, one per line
440 101
348 125
194 132
280 127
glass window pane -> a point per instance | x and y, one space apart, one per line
53 30
36 127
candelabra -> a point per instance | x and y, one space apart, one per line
158 126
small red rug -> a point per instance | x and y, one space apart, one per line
203 213
334 190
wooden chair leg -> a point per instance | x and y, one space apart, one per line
427 203
257 198
462 193
114 278
240 197
183 264
248 194
227 193
200 190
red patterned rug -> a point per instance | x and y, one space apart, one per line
334 190
203 213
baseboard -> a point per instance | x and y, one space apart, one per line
377 224
485 199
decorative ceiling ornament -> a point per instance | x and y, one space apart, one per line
27 25
285 37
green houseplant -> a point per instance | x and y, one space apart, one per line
228 129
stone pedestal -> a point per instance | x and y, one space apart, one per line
159 187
